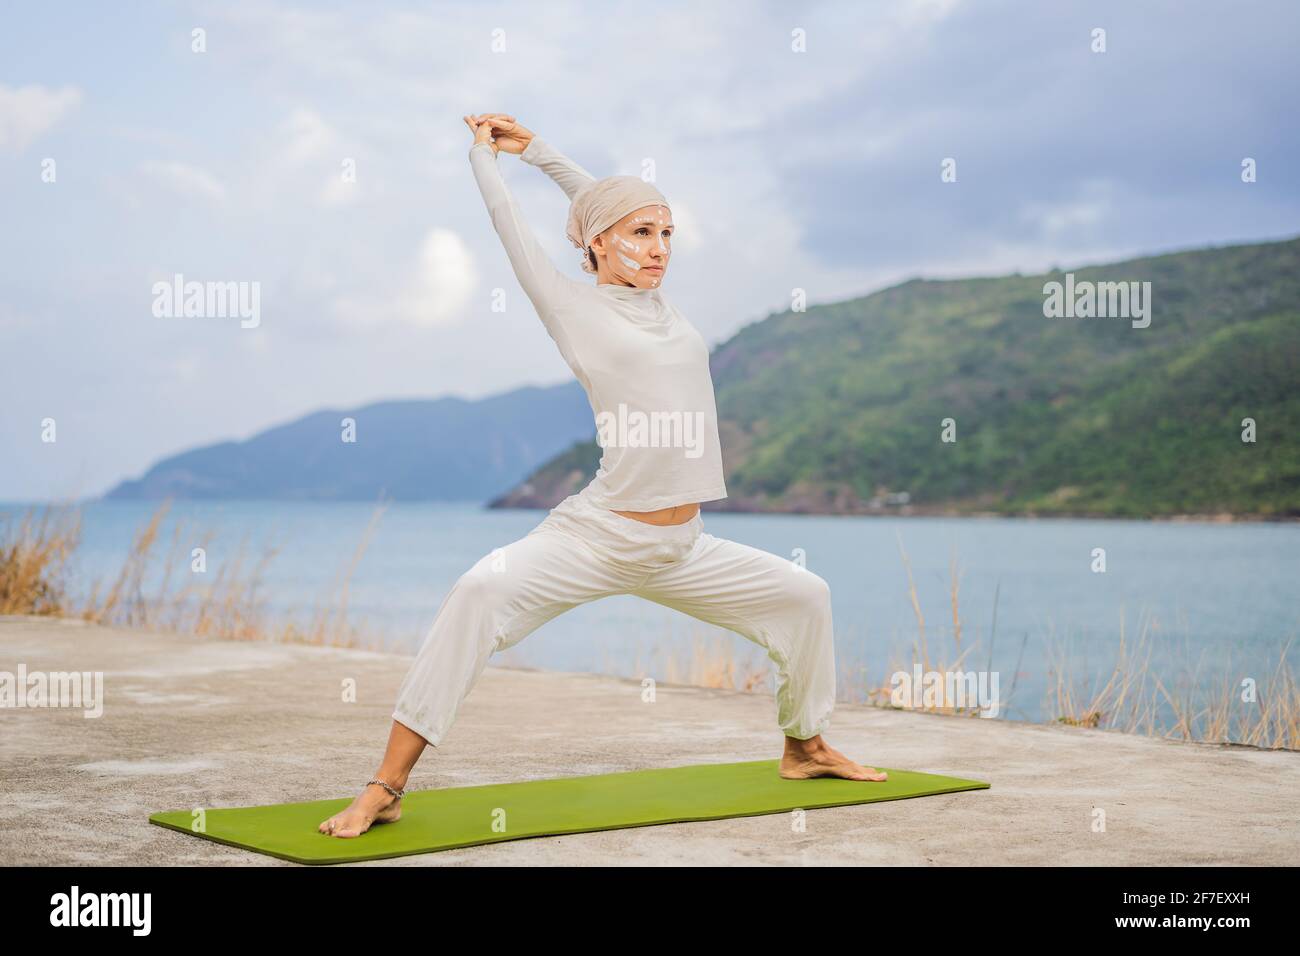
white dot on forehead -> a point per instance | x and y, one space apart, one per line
661 217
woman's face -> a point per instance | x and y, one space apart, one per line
637 247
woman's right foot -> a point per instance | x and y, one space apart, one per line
803 760
374 805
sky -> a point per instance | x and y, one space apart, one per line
316 152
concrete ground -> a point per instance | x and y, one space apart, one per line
215 723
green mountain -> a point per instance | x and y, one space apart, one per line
840 409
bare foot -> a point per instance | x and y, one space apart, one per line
804 759
375 805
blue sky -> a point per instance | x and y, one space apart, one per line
817 170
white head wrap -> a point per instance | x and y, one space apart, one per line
603 203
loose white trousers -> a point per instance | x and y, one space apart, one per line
581 552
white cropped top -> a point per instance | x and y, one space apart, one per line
645 369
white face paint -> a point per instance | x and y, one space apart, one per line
625 249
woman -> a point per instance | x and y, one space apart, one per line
636 528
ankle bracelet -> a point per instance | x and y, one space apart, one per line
396 793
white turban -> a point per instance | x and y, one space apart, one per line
603 203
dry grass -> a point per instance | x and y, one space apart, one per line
1261 711
225 605
1254 710
33 563
711 661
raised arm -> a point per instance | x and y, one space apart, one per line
544 284
569 175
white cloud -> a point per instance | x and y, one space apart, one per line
338 191
186 179
28 112
926 12
1072 215
435 290
308 138
309 141
443 280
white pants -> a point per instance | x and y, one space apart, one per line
581 552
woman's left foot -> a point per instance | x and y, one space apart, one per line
374 805
826 761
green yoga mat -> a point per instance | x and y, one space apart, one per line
442 819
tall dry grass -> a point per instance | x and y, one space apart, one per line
34 562
1262 711
226 604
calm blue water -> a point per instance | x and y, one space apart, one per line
1216 601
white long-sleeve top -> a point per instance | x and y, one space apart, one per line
644 367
